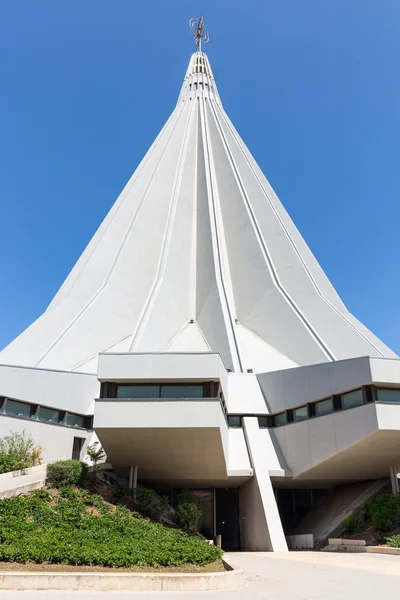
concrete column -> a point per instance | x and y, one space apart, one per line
395 481
130 484
135 473
257 502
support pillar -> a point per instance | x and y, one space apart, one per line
135 473
395 481
132 485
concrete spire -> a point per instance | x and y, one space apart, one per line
196 254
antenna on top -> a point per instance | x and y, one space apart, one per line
199 31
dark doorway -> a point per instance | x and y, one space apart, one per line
77 448
227 509
205 498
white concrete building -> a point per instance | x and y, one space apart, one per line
200 340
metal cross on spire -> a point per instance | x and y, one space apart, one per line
199 31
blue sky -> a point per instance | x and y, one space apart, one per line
312 86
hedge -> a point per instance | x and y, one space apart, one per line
65 473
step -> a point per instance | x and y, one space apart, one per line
352 548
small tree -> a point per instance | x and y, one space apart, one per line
95 454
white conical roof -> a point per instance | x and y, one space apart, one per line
197 254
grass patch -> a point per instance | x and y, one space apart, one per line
65 528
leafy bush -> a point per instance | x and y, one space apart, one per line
190 515
35 529
393 541
6 463
149 505
18 451
351 525
384 511
65 473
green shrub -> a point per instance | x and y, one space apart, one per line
6 463
384 511
68 492
41 495
18 451
65 473
190 515
351 525
148 504
32 529
393 541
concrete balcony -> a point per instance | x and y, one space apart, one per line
183 442
349 445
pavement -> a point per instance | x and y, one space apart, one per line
276 576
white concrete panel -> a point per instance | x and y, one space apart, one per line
322 438
190 337
354 424
174 413
293 387
258 355
238 457
244 395
57 389
385 370
388 417
163 367
298 450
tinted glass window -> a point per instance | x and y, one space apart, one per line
18 409
324 407
352 399
234 421
388 395
280 419
75 420
301 413
263 421
181 391
49 415
138 391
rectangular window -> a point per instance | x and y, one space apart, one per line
49 415
280 419
138 391
300 414
352 399
75 420
263 422
181 391
324 407
18 409
235 421
388 395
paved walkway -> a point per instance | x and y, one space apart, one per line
277 576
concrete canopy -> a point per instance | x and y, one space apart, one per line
196 254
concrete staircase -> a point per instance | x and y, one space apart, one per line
326 519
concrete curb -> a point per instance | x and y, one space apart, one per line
340 545
383 550
24 580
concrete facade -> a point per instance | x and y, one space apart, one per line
198 278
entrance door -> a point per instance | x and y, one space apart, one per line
77 448
227 522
